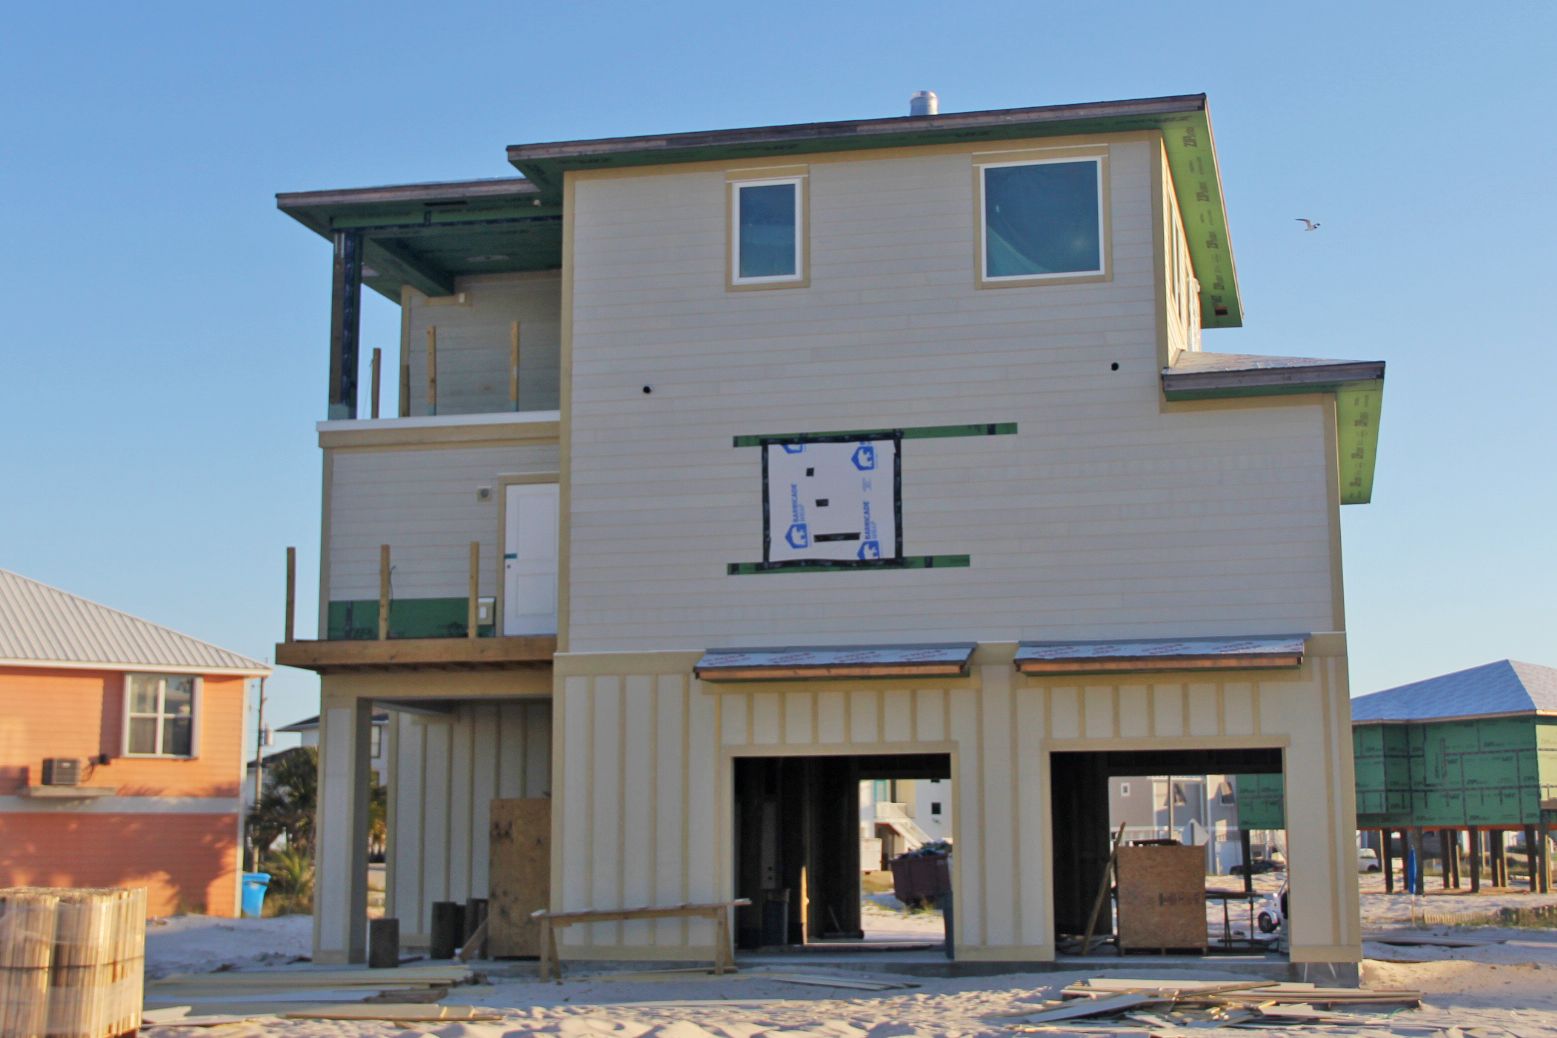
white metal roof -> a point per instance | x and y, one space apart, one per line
42 626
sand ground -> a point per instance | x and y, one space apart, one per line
1505 986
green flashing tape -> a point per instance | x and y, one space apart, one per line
742 569
922 432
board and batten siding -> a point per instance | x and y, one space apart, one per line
446 772
474 343
1109 514
424 504
643 812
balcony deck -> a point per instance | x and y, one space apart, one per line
327 657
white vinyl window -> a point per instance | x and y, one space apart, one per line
160 715
767 231
1041 219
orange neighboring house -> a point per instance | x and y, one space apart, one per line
121 752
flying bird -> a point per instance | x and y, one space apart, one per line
1308 225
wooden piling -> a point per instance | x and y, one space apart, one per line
1475 861
473 607
1387 856
383 943
375 367
289 625
383 592
432 369
513 366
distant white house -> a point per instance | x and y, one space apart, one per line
898 815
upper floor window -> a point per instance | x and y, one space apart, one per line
767 224
160 715
1041 219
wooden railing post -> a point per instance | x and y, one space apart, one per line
475 589
513 366
377 367
405 378
383 592
432 370
291 595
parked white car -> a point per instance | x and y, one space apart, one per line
1367 859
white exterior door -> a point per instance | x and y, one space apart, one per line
530 559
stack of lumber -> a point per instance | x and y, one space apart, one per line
1163 1007
71 961
411 991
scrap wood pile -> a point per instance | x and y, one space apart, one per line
407 994
1169 1007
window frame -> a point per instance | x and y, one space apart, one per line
801 277
1104 270
161 715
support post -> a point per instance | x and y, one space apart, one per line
1499 858
1543 856
432 369
289 625
1245 849
1475 861
375 369
345 323
383 592
1445 862
1530 860
474 606
341 836
1387 856
513 366
405 378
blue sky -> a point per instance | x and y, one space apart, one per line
165 347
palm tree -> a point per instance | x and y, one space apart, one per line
289 800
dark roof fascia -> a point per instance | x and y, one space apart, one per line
1265 381
316 209
843 134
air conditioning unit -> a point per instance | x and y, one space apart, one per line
62 771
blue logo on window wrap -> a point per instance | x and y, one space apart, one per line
870 550
798 536
793 448
865 457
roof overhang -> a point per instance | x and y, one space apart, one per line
1184 122
1452 718
1264 652
126 667
426 235
835 662
1358 386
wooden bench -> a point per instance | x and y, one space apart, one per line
719 911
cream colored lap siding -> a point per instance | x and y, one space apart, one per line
1128 520
448 769
424 504
648 781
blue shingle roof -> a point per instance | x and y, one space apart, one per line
1504 687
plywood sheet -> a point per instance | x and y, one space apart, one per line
520 875
1162 897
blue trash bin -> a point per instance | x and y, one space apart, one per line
254 884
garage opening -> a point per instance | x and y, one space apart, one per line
1194 873
809 850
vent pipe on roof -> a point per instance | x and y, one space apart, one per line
924 102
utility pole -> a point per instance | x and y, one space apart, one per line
259 766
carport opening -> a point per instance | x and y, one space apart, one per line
1210 848
808 855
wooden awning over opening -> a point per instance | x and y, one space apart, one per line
1156 654
832 662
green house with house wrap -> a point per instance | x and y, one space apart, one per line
1474 750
